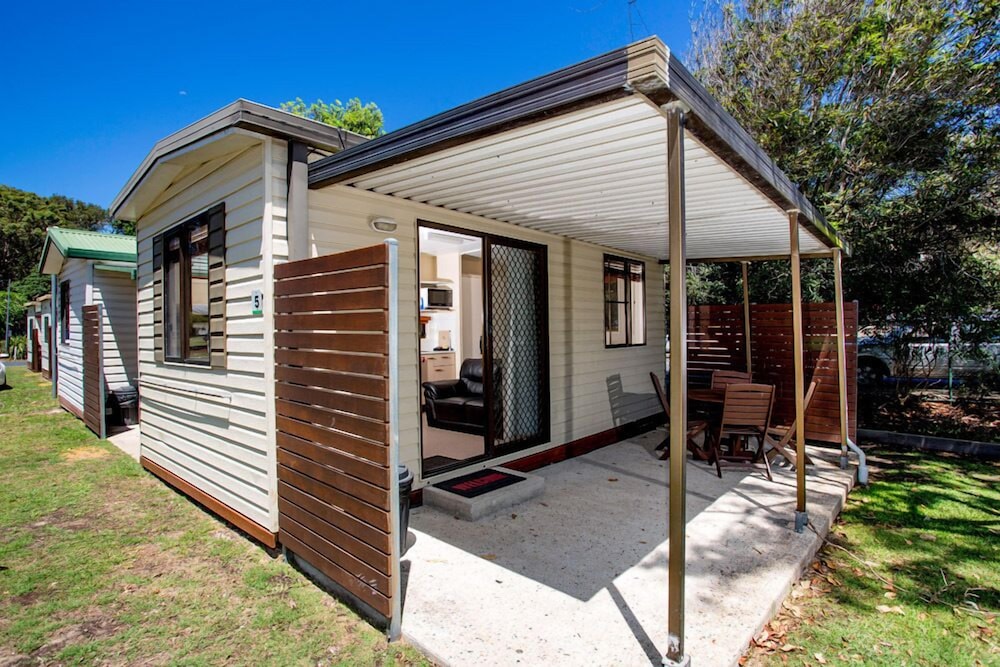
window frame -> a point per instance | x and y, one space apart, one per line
627 300
182 232
64 312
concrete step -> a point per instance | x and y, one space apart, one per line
486 504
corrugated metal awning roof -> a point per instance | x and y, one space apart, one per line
583 153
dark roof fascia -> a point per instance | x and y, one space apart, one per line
592 81
715 126
245 115
653 72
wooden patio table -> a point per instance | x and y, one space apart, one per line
707 395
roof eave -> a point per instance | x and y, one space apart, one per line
246 115
646 67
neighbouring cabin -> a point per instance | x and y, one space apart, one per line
39 334
483 288
94 329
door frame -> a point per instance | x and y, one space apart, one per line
489 448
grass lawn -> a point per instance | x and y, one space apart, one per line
911 577
102 563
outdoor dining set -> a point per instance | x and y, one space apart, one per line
727 416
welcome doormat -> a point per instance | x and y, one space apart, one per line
478 483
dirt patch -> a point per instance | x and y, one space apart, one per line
76 633
930 413
63 520
85 454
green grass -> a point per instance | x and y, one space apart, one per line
102 563
914 576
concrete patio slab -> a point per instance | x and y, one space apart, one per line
127 440
579 576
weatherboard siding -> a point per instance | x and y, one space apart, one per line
210 426
115 291
581 368
70 353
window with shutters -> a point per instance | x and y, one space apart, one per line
624 302
189 260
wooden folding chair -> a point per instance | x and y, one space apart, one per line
694 427
779 438
722 379
746 413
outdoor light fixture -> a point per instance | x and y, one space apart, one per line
381 223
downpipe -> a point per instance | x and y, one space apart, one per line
862 462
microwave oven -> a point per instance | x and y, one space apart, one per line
438 297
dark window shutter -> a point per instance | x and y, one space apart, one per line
158 299
217 284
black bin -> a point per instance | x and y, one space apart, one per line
405 485
127 399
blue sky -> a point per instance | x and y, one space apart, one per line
88 87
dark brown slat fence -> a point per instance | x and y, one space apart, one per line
332 379
716 339
93 371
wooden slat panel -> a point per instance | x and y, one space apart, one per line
339 342
93 404
332 322
335 517
375 387
372 276
352 465
373 516
350 403
341 261
369 493
716 341
373 299
351 583
334 482
334 361
368 429
345 442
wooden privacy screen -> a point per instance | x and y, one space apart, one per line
36 351
716 339
93 371
332 395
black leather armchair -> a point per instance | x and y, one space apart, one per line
458 405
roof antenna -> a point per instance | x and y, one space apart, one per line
631 32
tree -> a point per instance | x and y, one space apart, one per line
365 120
886 114
24 217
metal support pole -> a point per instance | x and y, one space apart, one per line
678 389
801 517
394 630
838 298
746 315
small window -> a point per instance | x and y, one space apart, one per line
624 302
186 330
64 312
45 329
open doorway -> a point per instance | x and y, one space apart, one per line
484 347
454 417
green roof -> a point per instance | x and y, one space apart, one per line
89 245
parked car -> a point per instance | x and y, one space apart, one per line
3 375
902 354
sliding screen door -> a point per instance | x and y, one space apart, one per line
517 353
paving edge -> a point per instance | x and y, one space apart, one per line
817 538
933 443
